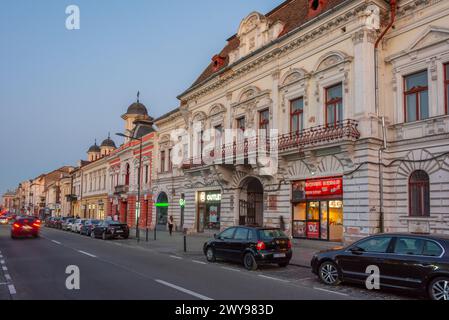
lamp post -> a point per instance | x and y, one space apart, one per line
138 182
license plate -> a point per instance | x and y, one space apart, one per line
27 228
279 255
119 231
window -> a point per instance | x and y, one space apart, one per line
446 87
416 96
170 163
432 249
241 234
297 115
334 105
376 245
264 120
127 175
218 136
409 246
241 123
227 234
162 161
419 194
146 174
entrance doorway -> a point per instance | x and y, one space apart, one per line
251 202
162 211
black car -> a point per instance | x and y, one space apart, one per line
251 246
410 262
86 228
110 230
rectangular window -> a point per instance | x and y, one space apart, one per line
146 174
162 161
264 120
446 87
334 105
218 136
297 115
416 96
170 163
241 127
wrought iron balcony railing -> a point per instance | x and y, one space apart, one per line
238 151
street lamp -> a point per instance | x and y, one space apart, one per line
138 181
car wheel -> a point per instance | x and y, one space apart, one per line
283 264
210 254
249 262
92 235
328 273
439 289
13 237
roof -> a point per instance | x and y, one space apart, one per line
94 148
108 143
293 13
137 108
167 114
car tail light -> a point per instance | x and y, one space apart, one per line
16 225
289 244
261 246
36 225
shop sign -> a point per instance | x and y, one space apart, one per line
210 197
313 230
324 187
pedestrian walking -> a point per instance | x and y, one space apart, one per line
170 225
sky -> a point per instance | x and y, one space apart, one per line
62 89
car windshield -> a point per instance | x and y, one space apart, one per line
269 234
95 221
114 223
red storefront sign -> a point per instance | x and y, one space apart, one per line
313 230
324 187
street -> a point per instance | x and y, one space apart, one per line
117 270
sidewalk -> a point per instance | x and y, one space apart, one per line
303 250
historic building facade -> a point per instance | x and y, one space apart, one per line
123 169
361 113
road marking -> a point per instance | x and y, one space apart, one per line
199 262
176 257
231 269
272 278
2 261
57 242
4 268
8 277
3 283
194 294
87 254
330 291
12 289
1 256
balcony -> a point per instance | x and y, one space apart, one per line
121 189
321 135
241 152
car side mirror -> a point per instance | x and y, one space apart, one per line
356 250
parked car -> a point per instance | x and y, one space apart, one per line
58 223
87 227
251 246
67 224
110 230
25 227
76 226
4 220
408 262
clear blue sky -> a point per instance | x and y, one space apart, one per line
60 89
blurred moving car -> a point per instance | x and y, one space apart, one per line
86 228
66 225
250 245
407 262
110 230
25 227
4 219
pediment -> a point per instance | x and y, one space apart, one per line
432 36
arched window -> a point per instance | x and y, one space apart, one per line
419 194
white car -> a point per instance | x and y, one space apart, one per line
76 226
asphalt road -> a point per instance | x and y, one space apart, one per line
36 269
